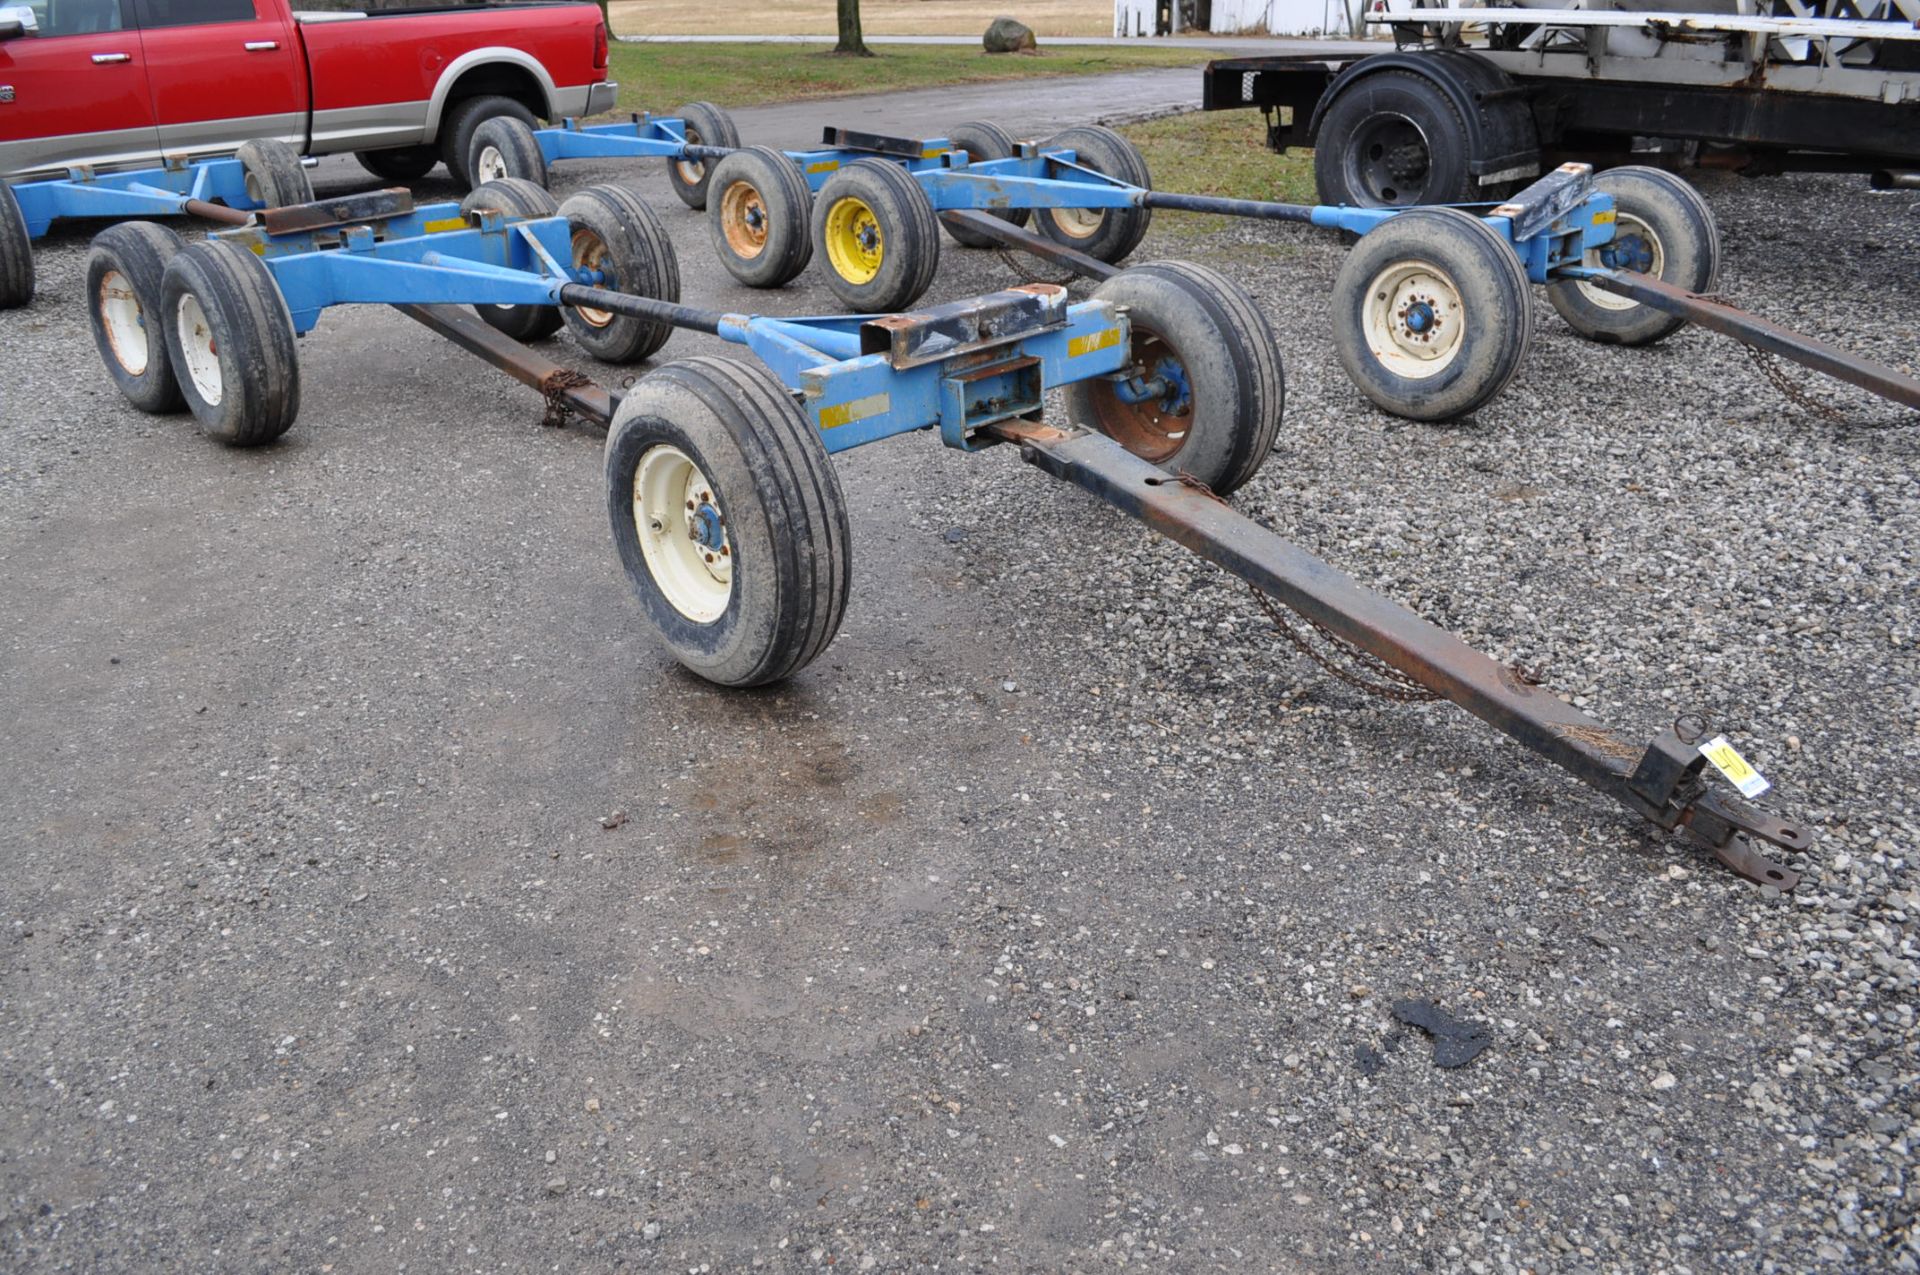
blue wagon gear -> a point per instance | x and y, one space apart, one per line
724 507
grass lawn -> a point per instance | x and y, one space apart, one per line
1218 153
659 77
877 17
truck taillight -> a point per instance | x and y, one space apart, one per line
600 45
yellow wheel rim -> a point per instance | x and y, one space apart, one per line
854 245
743 220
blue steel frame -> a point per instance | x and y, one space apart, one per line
434 256
144 192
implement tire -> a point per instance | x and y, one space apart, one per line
874 228
757 211
1105 234
505 147
1662 227
230 340
16 253
400 163
274 177
728 520
125 268
458 124
613 231
706 125
982 140
515 198
1206 339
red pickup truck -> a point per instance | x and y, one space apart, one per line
118 83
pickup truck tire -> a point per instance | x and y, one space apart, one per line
983 140
1432 314
125 268
1662 227
400 163
875 229
706 125
1392 139
1106 234
230 340
275 178
505 147
16 253
1211 345
729 520
460 121
757 215
515 198
616 233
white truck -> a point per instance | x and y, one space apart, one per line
1473 102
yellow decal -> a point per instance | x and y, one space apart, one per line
932 152
858 410
823 166
443 225
1739 772
1100 340
1603 217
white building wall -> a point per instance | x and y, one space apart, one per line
1275 17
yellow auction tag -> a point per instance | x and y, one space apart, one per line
443 225
1093 341
1604 217
858 410
1739 772
823 166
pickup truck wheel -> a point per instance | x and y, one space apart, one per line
875 228
1662 227
522 199
706 125
1391 139
982 141
274 178
400 163
729 520
618 237
230 340
460 121
1106 234
124 272
758 217
1432 314
505 147
16 253
1218 386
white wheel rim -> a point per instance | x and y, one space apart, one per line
683 534
123 322
493 165
1624 224
1414 319
203 355
250 180
1079 223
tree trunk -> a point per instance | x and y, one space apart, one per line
851 40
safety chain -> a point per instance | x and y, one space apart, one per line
1375 675
1789 389
553 388
1017 262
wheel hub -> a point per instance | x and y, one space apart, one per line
683 533
1414 319
1635 247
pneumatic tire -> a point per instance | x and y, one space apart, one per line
1662 227
505 147
982 141
274 177
399 163
705 125
875 229
230 340
1432 314
1105 234
16 252
125 271
458 124
757 210
1206 340
614 232
728 520
523 199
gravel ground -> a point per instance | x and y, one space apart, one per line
1050 922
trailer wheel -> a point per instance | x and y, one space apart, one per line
875 228
984 141
125 269
1662 228
274 178
1208 351
728 519
1431 314
399 163
505 147
705 125
1106 234
16 253
615 235
515 198
758 217
230 340
458 124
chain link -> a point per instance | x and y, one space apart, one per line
553 388
1018 262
